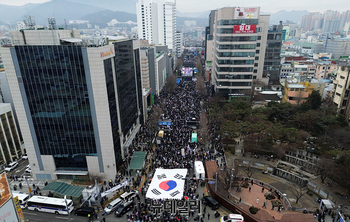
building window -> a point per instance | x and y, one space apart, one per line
257 51
257 44
256 57
344 102
255 64
259 37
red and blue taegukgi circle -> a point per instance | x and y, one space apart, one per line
167 185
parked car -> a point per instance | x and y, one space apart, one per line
211 202
11 166
129 195
123 208
25 157
84 211
232 218
112 205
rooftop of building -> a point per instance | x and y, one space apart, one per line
158 54
300 86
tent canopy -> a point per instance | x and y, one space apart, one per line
137 160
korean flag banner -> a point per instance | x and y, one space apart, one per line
167 184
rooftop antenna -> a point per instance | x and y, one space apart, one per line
29 22
52 23
65 24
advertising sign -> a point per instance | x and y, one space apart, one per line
5 193
19 209
246 13
244 29
8 213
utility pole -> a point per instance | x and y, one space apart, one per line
216 182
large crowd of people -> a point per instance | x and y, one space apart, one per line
183 108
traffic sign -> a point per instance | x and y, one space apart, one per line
211 182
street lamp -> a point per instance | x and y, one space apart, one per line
65 200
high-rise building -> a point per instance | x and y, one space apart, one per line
341 88
10 145
238 49
77 105
156 21
273 54
337 47
179 44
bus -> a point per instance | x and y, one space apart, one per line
50 205
22 198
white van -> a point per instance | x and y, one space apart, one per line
113 205
199 170
11 166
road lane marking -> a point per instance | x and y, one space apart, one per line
30 213
65 218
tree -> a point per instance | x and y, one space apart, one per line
298 191
200 86
313 101
203 129
171 83
248 172
199 66
155 114
325 167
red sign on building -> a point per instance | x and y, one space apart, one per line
244 29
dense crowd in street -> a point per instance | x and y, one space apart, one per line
181 107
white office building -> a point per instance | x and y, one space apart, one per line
156 21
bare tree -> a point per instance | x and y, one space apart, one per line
154 118
199 66
203 129
224 178
248 172
171 83
325 167
298 191
200 85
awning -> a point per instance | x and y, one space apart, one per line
81 173
137 160
131 137
71 40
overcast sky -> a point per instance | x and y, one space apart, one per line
265 5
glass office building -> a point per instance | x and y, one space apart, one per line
55 86
77 106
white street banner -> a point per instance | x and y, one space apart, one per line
167 184
114 188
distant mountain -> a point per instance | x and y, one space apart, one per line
114 5
61 9
194 14
12 14
102 17
295 16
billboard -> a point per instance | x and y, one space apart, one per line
244 29
19 209
246 13
4 190
8 213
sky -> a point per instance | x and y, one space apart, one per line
269 6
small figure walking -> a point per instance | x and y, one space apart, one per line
264 205
262 190
250 188
208 216
257 200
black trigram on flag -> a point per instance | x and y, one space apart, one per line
156 192
174 193
178 176
162 176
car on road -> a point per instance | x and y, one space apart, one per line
84 211
129 195
11 166
123 208
232 218
112 205
211 202
28 170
